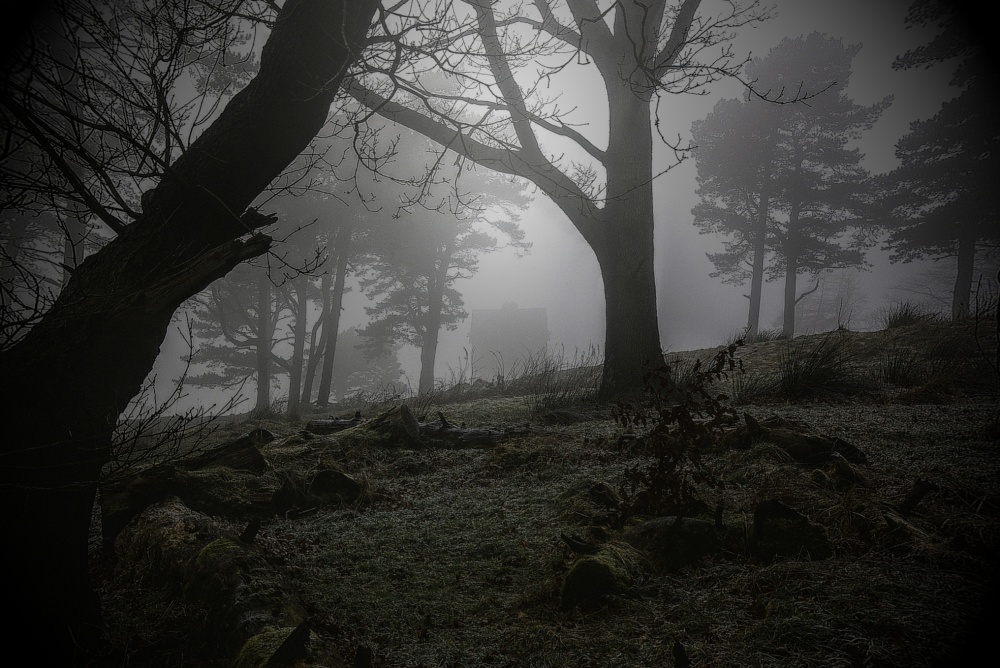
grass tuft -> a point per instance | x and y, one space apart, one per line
903 314
749 385
827 370
761 336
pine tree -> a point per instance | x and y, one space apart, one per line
236 319
413 277
943 195
780 180
356 370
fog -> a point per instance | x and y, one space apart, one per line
696 310
561 273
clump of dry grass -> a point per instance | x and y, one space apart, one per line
904 314
826 370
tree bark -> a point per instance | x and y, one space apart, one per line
91 352
625 249
331 327
316 347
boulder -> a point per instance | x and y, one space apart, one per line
610 570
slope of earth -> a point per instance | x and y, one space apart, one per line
457 560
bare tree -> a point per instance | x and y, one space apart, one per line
90 352
499 61
95 110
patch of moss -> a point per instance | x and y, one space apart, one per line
219 490
588 501
218 551
258 650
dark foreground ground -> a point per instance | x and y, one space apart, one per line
453 556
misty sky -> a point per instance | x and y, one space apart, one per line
696 311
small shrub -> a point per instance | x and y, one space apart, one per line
683 419
749 385
825 371
276 410
549 380
768 335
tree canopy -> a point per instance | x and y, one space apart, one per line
942 198
482 80
414 260
781 180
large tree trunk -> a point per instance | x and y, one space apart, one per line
91 352
428 358
331 327
625 252
962 292
791 277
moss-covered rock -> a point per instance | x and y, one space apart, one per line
281 646
611 570
395 428
163 539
